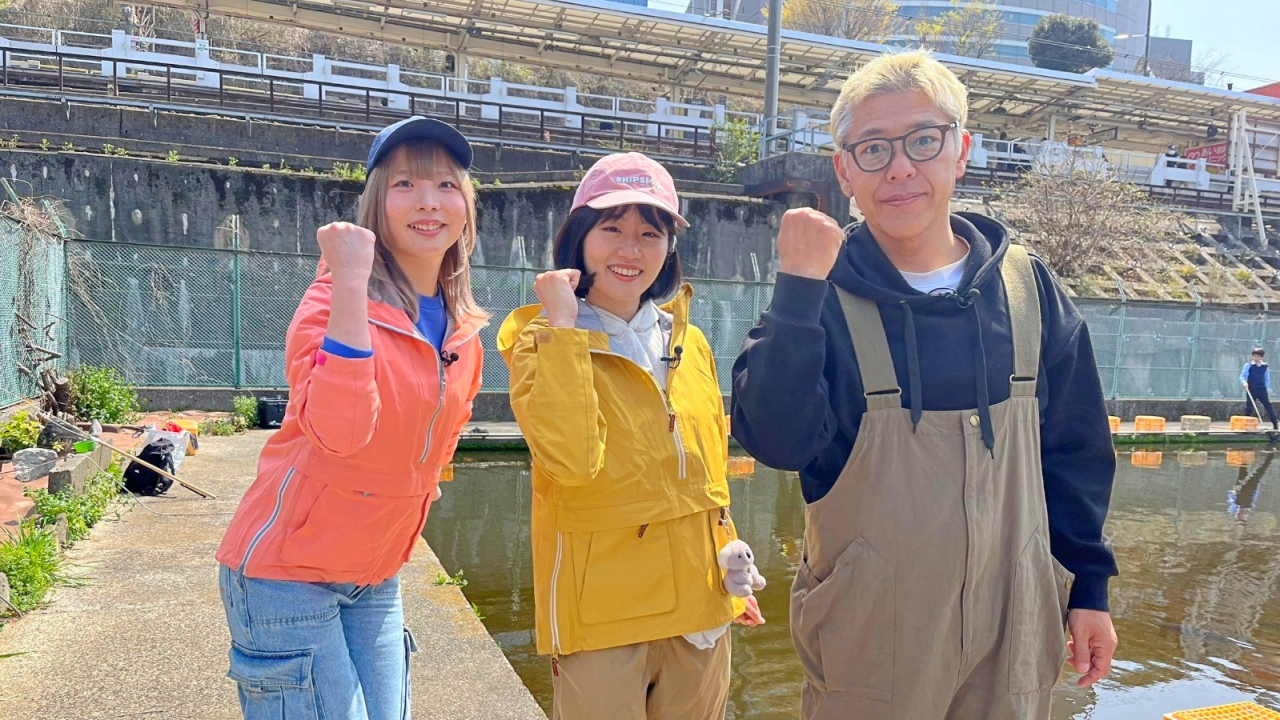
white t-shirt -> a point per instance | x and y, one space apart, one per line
944 279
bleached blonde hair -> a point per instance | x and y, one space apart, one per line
900 72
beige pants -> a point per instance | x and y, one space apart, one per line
659 680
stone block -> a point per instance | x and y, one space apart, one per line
1195 423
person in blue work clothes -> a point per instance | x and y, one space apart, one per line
1256 378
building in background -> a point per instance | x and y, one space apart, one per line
751 11
1171 60
1124 18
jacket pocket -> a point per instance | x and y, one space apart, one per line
843 625
1037 638
629 574
274 685
349 531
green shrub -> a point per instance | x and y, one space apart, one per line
246 407
83 510
29 559
738 145
222 427
102 394
19 433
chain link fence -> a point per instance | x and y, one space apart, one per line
173 316
31 307
1180 351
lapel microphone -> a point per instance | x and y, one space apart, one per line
449 358
673 362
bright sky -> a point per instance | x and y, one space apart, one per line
1244 29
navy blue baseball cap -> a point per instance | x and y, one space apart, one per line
420 128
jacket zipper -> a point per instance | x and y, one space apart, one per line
431 426
673 424
426 448
275 513
555 582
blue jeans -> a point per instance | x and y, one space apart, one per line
317 651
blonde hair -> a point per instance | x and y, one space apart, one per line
388 282
915 70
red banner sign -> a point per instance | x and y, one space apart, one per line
1215 154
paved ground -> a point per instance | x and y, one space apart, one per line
142 634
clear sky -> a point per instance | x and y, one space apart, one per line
1246 30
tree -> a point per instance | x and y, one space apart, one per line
973 27
968 28
1079 216
871 20
1061 42
1215 65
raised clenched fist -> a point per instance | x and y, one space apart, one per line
555 290
808 243
347 250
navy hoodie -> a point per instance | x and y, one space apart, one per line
798 396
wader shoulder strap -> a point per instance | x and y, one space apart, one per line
875 364
1024 319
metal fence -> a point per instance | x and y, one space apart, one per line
31 306
174 316
1168 350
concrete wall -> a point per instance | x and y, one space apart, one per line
252 143
127 199
1171 410
495 407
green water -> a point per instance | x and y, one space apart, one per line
1196 605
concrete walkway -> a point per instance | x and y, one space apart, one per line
143 634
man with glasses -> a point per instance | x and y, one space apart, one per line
937 391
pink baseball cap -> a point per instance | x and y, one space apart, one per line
628 179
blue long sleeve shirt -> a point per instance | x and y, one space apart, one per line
433 321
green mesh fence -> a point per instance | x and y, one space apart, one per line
173 316
31 308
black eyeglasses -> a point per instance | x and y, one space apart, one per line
921 145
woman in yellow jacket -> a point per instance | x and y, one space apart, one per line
619 402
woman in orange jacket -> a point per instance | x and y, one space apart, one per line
383 362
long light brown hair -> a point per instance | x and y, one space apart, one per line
388 282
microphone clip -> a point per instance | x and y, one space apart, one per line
448 358
673 361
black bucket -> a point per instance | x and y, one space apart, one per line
271 411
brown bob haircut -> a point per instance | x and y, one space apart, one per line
568 246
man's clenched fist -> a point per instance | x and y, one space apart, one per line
808 243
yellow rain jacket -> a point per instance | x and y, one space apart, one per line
630 501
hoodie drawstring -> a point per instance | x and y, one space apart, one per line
967 302
984 396
913 366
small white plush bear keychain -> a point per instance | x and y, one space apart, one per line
741 576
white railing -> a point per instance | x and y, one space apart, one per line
1132 166
201 65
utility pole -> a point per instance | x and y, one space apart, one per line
1146 54
771 68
